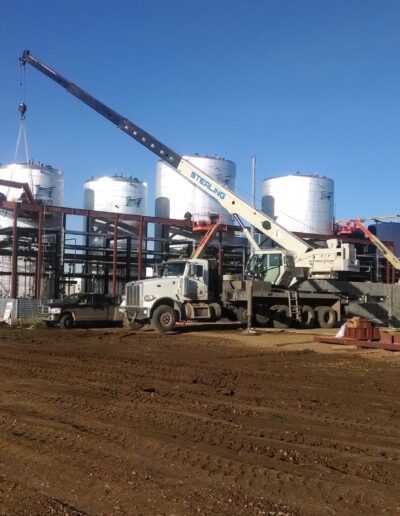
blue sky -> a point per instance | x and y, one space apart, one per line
310 86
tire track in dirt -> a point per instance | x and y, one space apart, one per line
184 424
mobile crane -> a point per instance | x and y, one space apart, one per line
298 259
294 281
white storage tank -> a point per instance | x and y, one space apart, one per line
387 232
175 196
117 194
301 203
46 184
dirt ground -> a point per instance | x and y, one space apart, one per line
111 422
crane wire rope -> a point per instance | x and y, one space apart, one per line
22 128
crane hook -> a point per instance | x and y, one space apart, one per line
22 109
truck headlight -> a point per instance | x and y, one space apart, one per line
149 297
55 310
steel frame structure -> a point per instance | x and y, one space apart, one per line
89 254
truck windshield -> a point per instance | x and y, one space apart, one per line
173 269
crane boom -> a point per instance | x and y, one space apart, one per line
228 200
328 261
349 226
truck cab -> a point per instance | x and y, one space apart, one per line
184 290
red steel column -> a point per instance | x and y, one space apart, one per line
140 250
39 260
114 263
14 256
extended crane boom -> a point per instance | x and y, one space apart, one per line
223 195
349 226
327 262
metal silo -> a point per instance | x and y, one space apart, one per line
117 194
175 195
46 184
301 203
387 232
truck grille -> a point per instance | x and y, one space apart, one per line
44 310
133 295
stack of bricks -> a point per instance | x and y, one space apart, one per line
390 336
361 329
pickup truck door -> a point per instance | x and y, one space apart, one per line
100 307
84 308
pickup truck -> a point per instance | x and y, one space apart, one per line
75 309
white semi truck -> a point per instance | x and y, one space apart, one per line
295 281
192 290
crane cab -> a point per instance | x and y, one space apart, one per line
274 266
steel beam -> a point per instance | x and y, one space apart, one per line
114 261
24 186
39 261
14 256
140 249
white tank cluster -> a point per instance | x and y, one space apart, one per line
45 182
300 203
175 196
118 194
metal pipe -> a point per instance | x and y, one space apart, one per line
14 256
253 185
39 260
140 249
114 262
220 253
253 180
128 259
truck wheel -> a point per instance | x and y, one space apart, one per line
164 318
215 311
67 322
281 316
262 318
308 317
327 317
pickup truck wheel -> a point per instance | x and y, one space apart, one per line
327 317
164 318
67 322
281 316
